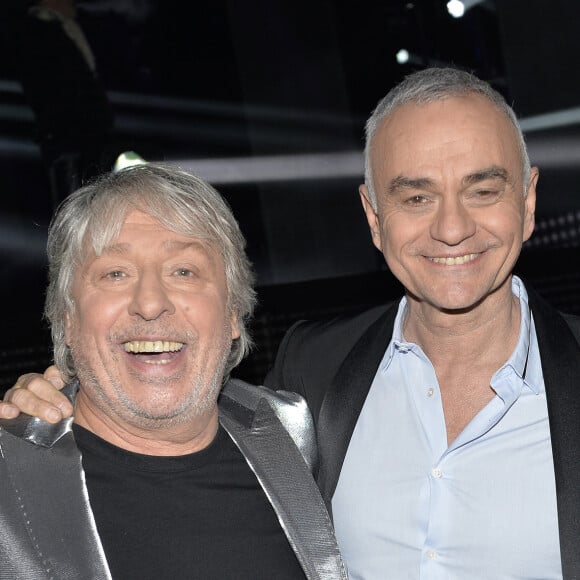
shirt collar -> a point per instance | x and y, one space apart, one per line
520 363
398 343
523 358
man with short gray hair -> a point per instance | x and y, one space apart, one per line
449 423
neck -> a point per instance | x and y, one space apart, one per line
166 439
487 332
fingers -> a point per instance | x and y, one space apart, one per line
8 411
52 374
37 395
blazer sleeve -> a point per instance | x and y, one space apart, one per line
311 354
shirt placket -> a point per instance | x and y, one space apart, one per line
439 474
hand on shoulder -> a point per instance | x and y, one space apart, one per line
37 395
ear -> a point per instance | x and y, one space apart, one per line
530 204
372 216
235 327
68 328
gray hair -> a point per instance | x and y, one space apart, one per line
181 202
436 84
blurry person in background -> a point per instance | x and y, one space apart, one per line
57 68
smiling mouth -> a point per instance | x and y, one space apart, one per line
152 346
153 352
456 260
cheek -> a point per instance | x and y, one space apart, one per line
398 232
205 313
506 223
92 320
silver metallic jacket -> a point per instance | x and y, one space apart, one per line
47 529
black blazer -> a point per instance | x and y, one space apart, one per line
332 364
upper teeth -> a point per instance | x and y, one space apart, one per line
456 260
152 346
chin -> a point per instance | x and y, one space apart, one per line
449 302
459 304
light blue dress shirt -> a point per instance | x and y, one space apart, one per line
407 506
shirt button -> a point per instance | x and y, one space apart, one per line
436 473
432 555
430 391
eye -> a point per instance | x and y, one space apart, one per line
115 275
417 199
184 273
485 195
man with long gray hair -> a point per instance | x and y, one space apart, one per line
149 294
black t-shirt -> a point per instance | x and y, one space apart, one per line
202 515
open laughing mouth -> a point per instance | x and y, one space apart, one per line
456 260
157 352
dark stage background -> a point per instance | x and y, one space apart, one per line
268 100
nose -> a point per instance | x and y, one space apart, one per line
452 223
150 298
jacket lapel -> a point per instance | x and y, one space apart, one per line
560 354
289 485
344 400
47 521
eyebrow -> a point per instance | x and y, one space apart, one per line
402 182
177 245
493 172
116 249
119 249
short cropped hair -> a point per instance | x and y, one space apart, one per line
436 84
93 216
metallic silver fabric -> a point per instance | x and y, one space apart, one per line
290 408
36 430
47 529
285 477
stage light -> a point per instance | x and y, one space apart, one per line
456 8
128 159
403 56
